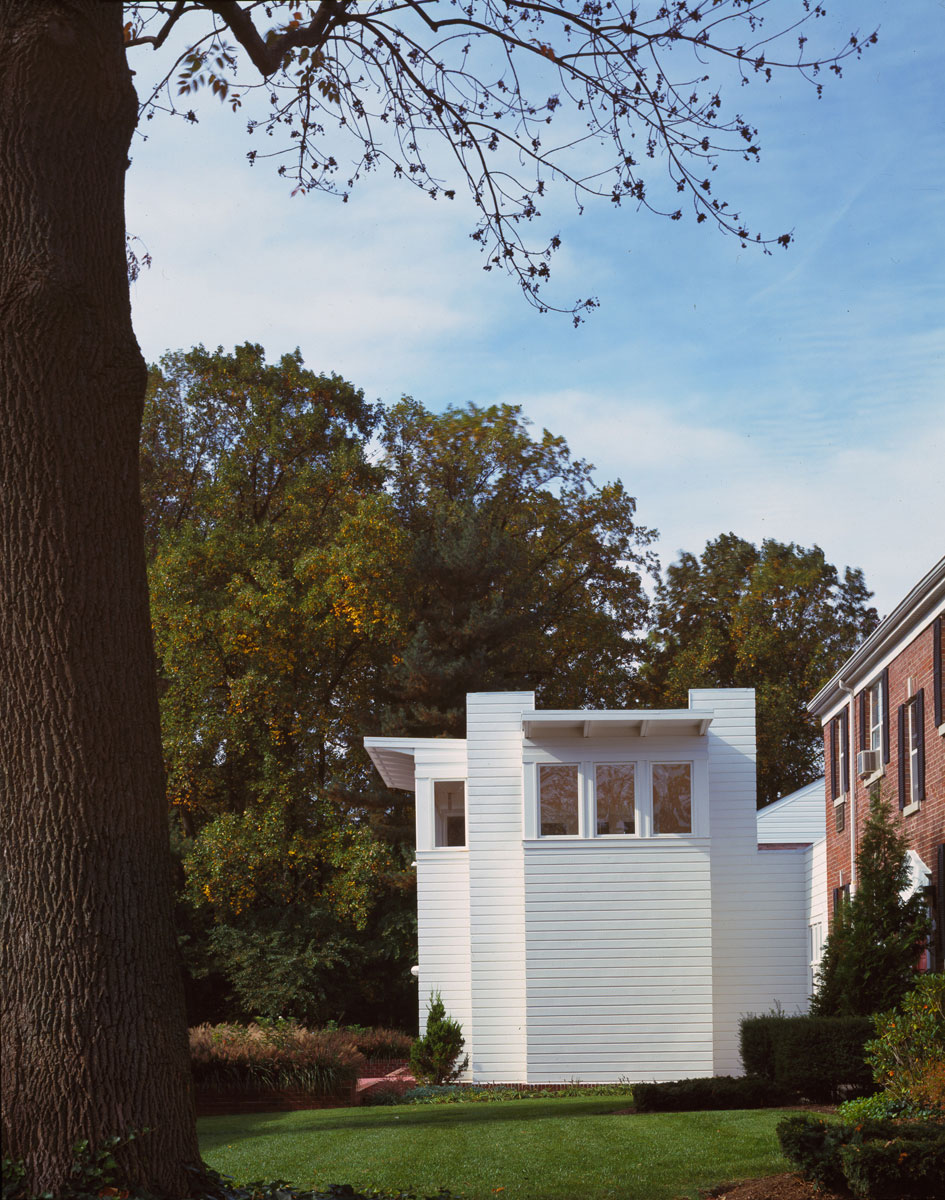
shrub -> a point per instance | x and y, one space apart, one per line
877 1160
818 1056
908 1053
240 1059
895 1169
815 1057
381 1043
722 1091
434 1057
869 957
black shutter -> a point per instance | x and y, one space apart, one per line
863 715
885 690
845 734
903 751
937 670
832 747
920 743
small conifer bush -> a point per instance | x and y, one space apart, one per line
435 1057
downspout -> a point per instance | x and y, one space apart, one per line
851 760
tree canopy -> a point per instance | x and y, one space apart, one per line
778 618
505 99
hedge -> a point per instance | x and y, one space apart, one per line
721 1091
815 1057
876 1160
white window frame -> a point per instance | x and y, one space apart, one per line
424 799
643 762
582 792
637 811
876 705
436 819
912 758
675 762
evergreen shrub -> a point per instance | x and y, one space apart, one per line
435 1057
719 1092
876 1160
814 1057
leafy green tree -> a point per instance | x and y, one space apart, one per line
82 737
253 477
778 618
870 955
518 570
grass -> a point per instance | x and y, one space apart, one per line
558 1149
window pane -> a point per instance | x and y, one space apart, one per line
615 798
672 798
449 813
876 717
558 793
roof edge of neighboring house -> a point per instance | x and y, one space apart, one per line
908 614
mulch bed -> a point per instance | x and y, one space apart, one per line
772 1187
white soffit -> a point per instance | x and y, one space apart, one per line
542 725
395 757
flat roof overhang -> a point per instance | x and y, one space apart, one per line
395 757
544 724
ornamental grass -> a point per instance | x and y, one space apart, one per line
247 1059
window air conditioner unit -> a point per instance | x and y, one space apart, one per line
867 763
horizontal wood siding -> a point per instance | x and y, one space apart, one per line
800 817
496 887
619 973
443 934
759 899
815 874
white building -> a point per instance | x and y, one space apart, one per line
593 903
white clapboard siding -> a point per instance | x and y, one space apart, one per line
496 887
619 965
731 743
798 817
815 864
443 934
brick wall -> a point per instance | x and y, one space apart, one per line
925 828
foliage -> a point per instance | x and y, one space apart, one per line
779 619
435 1056
93 1174
93 1179
870 956
518 571
419 93
708 1094
235 1059
380 1044
908 1053
876 1160
899 1168
497 1093
811 1056
254 475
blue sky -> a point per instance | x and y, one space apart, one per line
799 396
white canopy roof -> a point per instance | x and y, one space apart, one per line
580 722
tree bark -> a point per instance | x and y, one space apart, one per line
94 1039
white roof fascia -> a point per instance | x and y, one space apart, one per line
540 724
925 602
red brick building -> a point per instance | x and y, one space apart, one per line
883 715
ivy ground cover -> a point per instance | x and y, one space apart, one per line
555 1149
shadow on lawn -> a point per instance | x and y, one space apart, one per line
217 1131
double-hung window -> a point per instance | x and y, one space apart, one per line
912 752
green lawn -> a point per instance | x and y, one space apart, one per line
560 1149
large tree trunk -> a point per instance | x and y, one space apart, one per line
92 1013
